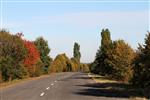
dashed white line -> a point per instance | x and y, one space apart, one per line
47 88
56 81
52 84
42 94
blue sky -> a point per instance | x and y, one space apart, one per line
63 23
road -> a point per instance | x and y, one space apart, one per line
60 86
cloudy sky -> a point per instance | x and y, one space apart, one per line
64 22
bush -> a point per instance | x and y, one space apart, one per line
10 72
36 69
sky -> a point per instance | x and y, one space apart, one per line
64 22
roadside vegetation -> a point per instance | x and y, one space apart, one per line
115 60
21 58
105 86
118 61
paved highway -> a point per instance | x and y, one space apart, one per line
59 86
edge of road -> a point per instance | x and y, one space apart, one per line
89 75
19 81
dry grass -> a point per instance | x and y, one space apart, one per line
137 98
101 79
134 94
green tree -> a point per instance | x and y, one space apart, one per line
141 77
44 50
102 56
12 54
76 51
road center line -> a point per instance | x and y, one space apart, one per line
42 94
47 88
56 81
52 84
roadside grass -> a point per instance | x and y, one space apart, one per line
117 88
101 79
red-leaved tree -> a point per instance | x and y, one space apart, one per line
32 57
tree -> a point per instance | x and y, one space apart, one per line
141 76
121 58
61 64
84 67
76 51
44 50
75 64
32 57
102 56
12 54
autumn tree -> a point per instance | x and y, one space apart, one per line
32 57
120 59
12 54
44 50
61 64
141 77
75 64
84 67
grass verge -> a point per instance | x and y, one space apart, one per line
114 88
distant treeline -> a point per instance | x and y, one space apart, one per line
117 60
21 58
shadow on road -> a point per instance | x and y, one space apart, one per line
82 77
118 90
109 90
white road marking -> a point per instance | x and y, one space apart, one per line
47 88
52 84
56 81
42 94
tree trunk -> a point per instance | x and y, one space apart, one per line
10 78
1 78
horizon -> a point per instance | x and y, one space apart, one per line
62 24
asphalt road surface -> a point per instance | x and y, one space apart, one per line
60 86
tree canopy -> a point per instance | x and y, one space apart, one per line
44 50
76 51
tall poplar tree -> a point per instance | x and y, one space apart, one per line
102 55
76 51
